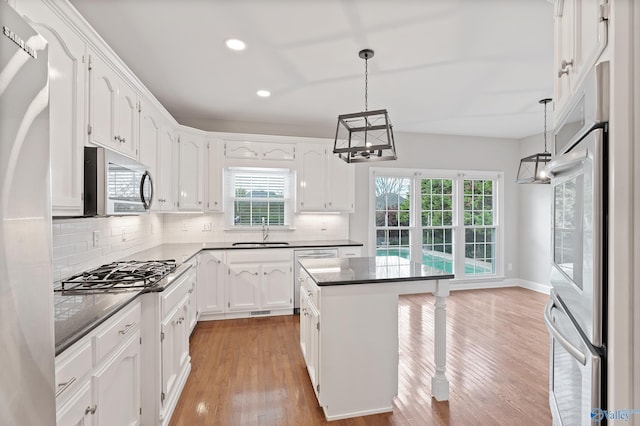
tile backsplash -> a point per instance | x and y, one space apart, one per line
83 243
199 228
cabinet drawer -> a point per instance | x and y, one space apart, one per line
170 298
350 251
71 367
116 331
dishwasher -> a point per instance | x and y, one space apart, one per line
320 253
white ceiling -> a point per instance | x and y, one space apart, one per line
460 67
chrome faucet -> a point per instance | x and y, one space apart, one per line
265 231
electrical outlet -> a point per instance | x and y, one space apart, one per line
124 237
510 267
206 226
323 226
96 235
184 226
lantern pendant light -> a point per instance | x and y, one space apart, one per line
368 135
532 168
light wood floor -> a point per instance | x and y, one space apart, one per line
251 371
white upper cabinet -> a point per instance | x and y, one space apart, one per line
214 176
259 151
113 109
580 37
150 132
67 76
165 184
191 172
325 183
312 177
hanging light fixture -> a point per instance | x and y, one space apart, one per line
368 135
531 168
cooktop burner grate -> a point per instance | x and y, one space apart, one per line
119 275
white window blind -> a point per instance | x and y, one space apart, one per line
258 194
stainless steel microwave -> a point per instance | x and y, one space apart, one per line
115 185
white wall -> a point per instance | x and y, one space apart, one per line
74 250
534 230
448 153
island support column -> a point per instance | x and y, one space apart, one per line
439 381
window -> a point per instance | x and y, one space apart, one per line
446 220
392 213
259 194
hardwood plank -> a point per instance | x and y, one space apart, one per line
251 371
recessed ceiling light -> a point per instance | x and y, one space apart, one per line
235 44
263 93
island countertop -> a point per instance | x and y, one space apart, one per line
368 270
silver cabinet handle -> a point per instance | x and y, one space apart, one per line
199 202
575 352
564 67
63 386
126 328
190 291
90 409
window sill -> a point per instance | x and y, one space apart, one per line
258 229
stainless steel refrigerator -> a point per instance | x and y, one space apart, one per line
27 394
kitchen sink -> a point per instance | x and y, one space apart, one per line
264 244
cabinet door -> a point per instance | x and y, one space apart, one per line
242 150
313 346
214 176
173 336
244 287
304 324
165 183
192 306
128 116
211 282
66 111
277 290
78 410
149 145
103 93
564 57
116 387
190 170
591 34
313 176
278 151
340 194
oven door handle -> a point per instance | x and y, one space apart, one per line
575 352
566 162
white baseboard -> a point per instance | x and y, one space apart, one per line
507 282
531 285
479 285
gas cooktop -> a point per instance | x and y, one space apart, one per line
129 274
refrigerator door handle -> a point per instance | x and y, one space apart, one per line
571 349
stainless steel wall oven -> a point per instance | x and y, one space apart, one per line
576 312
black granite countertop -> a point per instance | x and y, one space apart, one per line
182 252
368 270
76 313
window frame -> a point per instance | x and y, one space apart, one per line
458 228
230 197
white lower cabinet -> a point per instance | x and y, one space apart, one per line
310 338
262 286
212 272
98 378
116 386
165 347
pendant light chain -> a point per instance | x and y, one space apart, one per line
545 127
366 84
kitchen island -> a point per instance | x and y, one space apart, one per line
349 330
